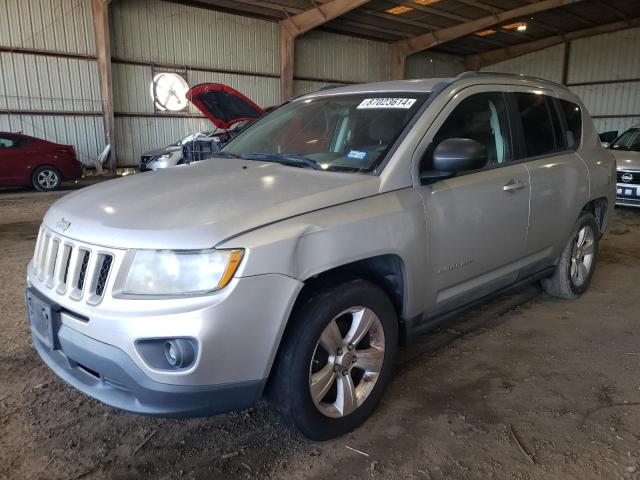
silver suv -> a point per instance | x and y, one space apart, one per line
293 264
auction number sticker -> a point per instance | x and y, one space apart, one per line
369 103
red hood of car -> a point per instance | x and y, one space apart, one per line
223 105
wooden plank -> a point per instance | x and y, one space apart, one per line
322 13
100 10
286 63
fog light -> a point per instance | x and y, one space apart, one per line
179 352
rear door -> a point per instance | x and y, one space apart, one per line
13 165
476 221
559 178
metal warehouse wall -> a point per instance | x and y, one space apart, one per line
604 71
48 76
433 65
545 64
149 37
323 58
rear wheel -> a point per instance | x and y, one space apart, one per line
336 361
46 179
577 261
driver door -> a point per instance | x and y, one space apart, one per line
477 220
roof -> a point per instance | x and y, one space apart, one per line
431 84
411 18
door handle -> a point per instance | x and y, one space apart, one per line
513 186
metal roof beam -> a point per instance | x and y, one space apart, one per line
402 48
477 61
320 14
298 24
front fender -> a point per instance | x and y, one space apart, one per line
301 247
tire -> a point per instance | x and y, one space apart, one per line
46 179
570 279
356 302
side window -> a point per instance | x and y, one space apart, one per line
481 117
537 124
574 123
9 142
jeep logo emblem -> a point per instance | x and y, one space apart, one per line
626 177
63 224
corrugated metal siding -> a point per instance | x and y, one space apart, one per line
612 56
433 65
305 86
36 83
59 25
610 98
160 32
546 64
618 124
85 133
329 56
163 32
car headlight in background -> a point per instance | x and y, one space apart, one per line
176 272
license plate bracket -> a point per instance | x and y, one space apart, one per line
44 318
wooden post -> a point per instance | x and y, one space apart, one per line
100 9
565 61
398 62
286 63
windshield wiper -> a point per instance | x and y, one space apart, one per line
284 158
224 155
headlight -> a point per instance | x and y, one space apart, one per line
176 272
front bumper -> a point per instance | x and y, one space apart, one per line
108 374
628 195
237 331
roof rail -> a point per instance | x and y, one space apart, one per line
470 74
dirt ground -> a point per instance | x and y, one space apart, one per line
526 387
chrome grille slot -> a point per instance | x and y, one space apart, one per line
101 280
84 265
72 268
52 257
43 256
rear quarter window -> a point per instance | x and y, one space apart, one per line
573 116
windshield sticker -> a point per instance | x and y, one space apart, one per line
356 155
404 103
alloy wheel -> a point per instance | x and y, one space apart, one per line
346 362
47 179
582 256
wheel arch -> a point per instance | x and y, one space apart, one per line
387 271
599 207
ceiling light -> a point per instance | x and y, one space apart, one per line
426 2
484 33
520 26
399 10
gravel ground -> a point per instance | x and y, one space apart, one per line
525 387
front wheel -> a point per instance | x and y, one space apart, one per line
577 261
336 361
46 179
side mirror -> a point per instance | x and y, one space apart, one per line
455 155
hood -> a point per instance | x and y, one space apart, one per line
223 105
626 160
201 204
162 151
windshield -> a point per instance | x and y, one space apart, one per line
629 140
339 132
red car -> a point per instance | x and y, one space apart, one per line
26 160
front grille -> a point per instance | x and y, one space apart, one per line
635 177
72 268
105 266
